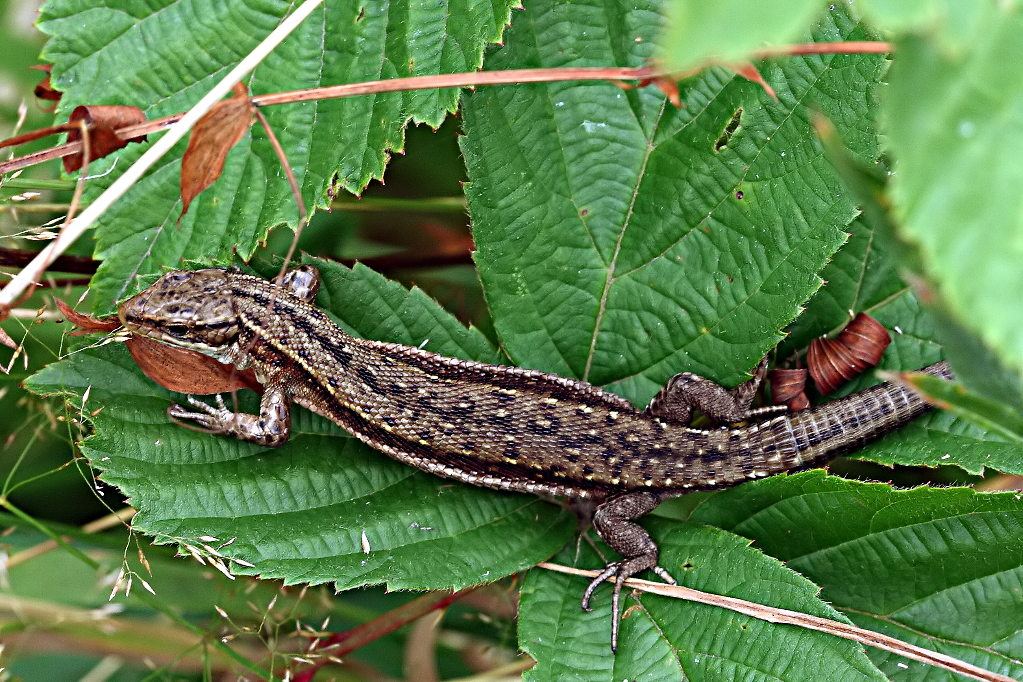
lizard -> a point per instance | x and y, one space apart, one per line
500 427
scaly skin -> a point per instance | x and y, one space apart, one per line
500 427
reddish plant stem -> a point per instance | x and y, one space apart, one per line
459 80
19 258
343 643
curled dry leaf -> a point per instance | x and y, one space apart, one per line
858 347
750 72
176 369
211 139
788 387
103 121
6 340
185 371
45 90
866 339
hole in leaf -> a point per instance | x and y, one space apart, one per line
726 134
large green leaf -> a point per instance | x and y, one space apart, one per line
163 56
301 512
622 240
693 34
941 567
955 122
673 640
953 25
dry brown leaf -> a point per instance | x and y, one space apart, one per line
211 139
749 72
186 371
87 324
6 340
45 90
788 387
176 369
103 120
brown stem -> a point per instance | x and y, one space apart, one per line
457 80
776 615
343 643
19 258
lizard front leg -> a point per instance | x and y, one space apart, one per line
270 428
615 523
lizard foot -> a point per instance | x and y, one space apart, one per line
213 418
269 428
621 570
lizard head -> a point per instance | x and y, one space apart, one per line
188 309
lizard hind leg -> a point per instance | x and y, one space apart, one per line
615 523
687 391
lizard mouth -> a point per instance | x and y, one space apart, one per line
183 309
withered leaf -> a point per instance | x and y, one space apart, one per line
667 85
176 369
87 324
103 121
45 90
187 371
211 139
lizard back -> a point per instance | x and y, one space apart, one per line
497 426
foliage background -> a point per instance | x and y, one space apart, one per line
563 176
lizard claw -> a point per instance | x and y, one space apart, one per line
621 570
210 417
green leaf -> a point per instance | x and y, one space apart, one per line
165 56
955 127
954 25
366 304
955 398
335 497
696 31
621 240
943 565
862 277
670 639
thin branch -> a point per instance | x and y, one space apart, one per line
68 236
33 207
847 47
303 214
454 205
787 617
19 258
343 643
119 517
459 80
